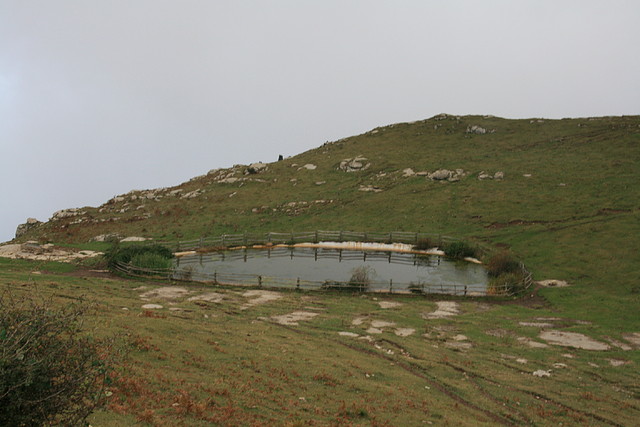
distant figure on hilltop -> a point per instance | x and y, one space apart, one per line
280 158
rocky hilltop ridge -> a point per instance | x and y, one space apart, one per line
445 150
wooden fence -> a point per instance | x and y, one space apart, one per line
247 239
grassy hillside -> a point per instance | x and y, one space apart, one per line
568 205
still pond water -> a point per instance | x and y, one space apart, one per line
311 267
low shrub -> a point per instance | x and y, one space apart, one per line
145 255
151 261
502 263
361 276
50 372
459 250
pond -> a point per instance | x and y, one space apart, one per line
325 268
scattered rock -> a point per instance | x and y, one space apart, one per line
255 168
560 365
354 165
382 324
107 237
552 283
478 130
370 188
522 361
348 334
358 321
633 338
292 319
458 345
498 175
408 172
33 251
618 362
446 175
531 343
541 373
167 292
573 339
373 330
208 297
309 167
66 213
152 306
537 324
460 337
404 332
321 182
22 229
260 297
389 304
445 309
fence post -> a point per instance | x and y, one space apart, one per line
200 243
315 240
298 284
245 239
259 281
215 277
390 286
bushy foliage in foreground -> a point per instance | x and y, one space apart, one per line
49 372
151 256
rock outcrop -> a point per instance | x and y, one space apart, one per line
354 165
22 229
447 175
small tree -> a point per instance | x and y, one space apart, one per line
49 372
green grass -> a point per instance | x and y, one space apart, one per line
577 218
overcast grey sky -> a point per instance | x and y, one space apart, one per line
101 97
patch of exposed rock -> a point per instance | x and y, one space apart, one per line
447 175
484 175
478 130
22 229
354 165
34 251
370 189
255 168
573 339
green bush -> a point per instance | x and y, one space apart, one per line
145 255
459 250
49 372
151 260
502 263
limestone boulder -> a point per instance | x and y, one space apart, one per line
354 165
22 229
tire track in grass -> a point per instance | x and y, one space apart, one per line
535 394
410 368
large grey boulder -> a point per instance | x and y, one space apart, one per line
22 229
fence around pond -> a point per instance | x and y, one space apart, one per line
246 239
